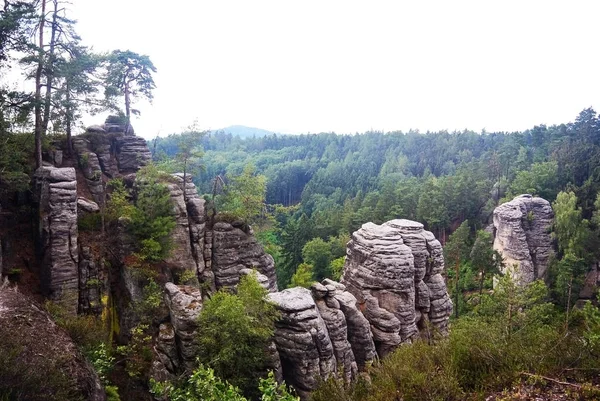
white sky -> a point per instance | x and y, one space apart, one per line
350 66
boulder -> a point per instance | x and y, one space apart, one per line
90 283
97 129
165 350
522 235
86 205
180 257
359 328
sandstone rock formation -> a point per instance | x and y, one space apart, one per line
302 340
233 250
392 287
185 304
522 236
39 360
394 271
56 198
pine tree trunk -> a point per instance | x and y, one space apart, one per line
38 90
50 71
127 108
69 120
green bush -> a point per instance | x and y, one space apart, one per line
89 222
234 332
152 218
204 385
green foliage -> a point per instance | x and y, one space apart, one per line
456 253
86 331
484 258
577 245
591 315
152 218
303 277
337 268
317 253
244 195
112 393
137 354
118 204
570 229
128 74
89 222
102 361
151 301
272 391
15 169
187 160
540 180
513 330
202 385
234 332
293 237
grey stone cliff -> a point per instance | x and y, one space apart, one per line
394 271
302 339
233 249
56 197
522 235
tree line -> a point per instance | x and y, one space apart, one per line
325 186
38 39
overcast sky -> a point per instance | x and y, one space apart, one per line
349 66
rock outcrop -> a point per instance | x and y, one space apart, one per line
39 360
302 339
522 236
394 271
233 249
185 304
56 198
392 289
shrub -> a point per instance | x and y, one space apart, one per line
234 332
86 331
152 218
303 276
89 222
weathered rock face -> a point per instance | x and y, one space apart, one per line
302 339
233 250
359 329
132 153
394 271
56 196
522 236
90 283
39 360
185 304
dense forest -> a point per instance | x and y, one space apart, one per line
322 187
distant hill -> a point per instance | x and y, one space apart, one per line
245 132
